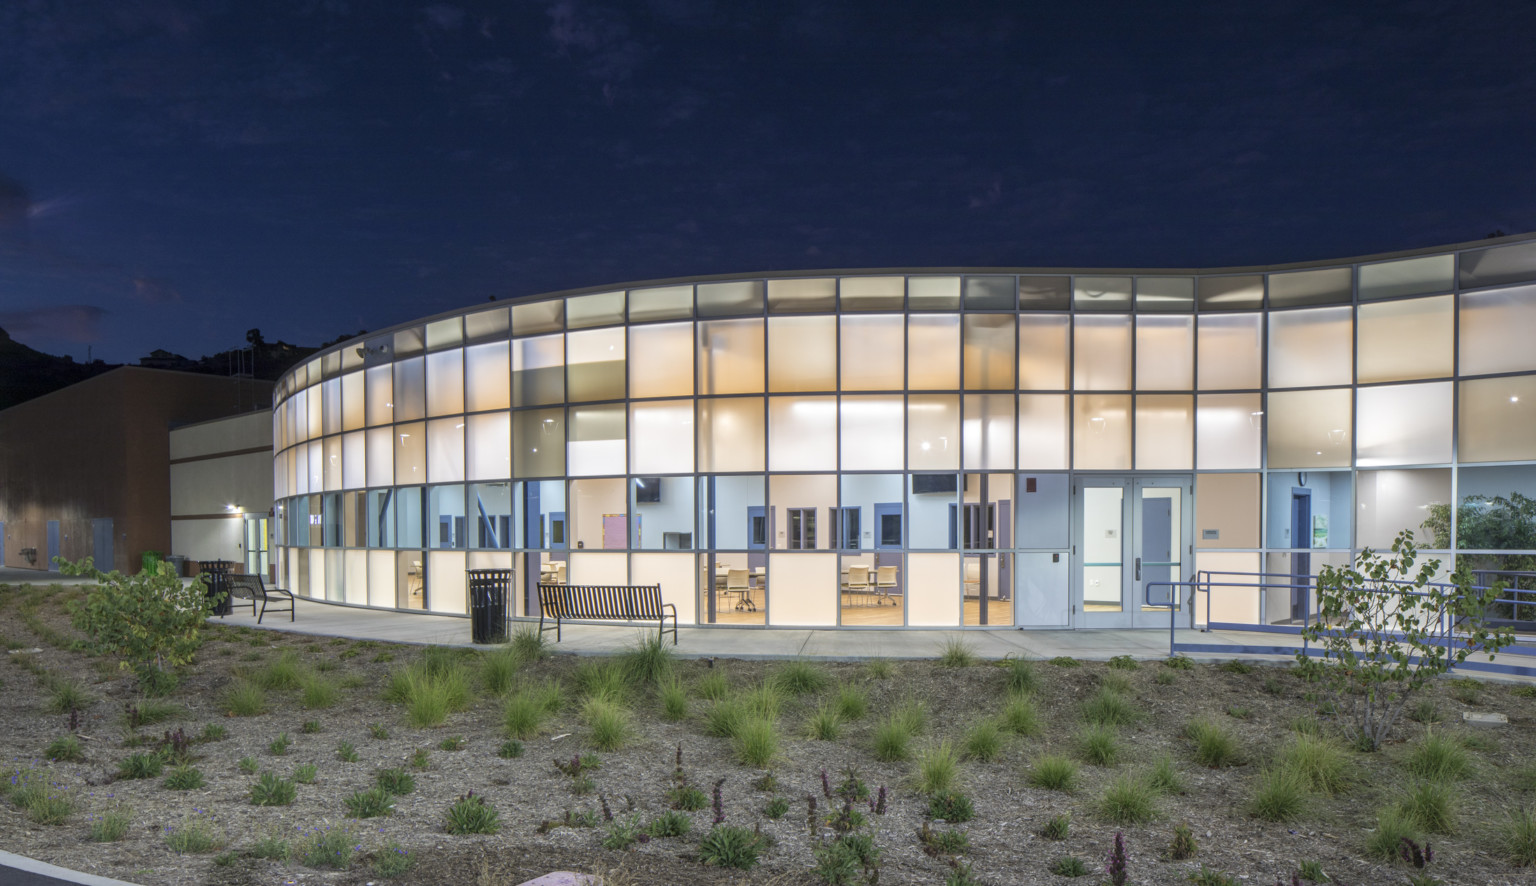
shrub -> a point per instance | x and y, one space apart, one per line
523 715
510 749
1517 838
328 848
800 678
1392 827
1438 757
1236 666
851 702
1069 866
1377 628
1107 708
1280 795
372 803
608 723
1178 663
183 778
1123 663
396 781
1320 763
305 773
471 814
825 724
111 826
151 621
951 806
1066 661
47 806
957 653
1097 745
1057 827
984 741
1127 800
269 790
756 742
1054 773
245 699
1429 806
938 769
140 766
726 846
674 700
66 749
1214 745
1020 716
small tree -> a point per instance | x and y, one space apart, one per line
151 620
1386 628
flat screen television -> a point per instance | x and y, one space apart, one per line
924 483
648 489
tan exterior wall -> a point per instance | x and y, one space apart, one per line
216 464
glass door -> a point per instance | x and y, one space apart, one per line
1130 535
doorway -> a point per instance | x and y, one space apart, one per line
1129 535
1301 559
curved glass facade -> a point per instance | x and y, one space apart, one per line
917 448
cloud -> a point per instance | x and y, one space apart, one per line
155 292
73 323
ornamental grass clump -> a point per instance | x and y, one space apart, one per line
1215 746
756 742
1430 806
1098 745
1054 772
1109 708
396 781
1019 715
957 653
1321 764
372 803
601 678
498 670
938 769
825 723
1127 800
245 699
800 678
984 741
674 700
1279 795
648 661
328 848
1438 757
608 723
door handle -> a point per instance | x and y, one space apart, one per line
1138 569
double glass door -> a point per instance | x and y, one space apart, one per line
1130 534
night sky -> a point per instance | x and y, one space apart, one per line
173 173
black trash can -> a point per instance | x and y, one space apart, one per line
216 578
489 591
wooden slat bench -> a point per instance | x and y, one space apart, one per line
608 602
252 588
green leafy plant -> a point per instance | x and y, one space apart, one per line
396 781
305 773
624 833
510 749
1378 629
1069 866
65 749
1183 845
378 731
372 803
111 826
248 765
776 808
951 806
1236 666
183 778
151 621
728 846
452 743
346 752
800 678
938 769
194 834
1127 800
941 842
1205 876
212 732
471 814
270 790
140 766
280 745
421 760
392 860
1054 772
311 727
328 848
670 824
1057 827
1178 663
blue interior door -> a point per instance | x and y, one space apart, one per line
890 537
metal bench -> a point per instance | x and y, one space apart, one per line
252 588
606 602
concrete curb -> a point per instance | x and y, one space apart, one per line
44 873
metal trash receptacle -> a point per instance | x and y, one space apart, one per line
216 578
489 591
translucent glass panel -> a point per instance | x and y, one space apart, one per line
1101 293
933 590
1165 433
1101 353
310 412
488 446
655 369
1226 510
1309 429
445 450
725 299
730 357
803 589
1404 424
1329 286
987 347
873 293
1101 432
987 432
447 333
447 580
332 467
802 433
1405 339
531 318
1045 293
933 293
1165 294
933 432
487 374
802 354
331 397
484 326
381 578
411 453
1391 501
1043 432
538 370
1410 276
661 303
1227 430
1229 349
1043 349
731 434
1498 419
933 346
870 358
601 309
675 574
1230 293
1165 353
661 437
1310 348
594 365
381 456
353 401
1500 264
445 382
802 296
991 293
410 389
597 441
1497 329
538 443
872 433
599 514
381 397
354 461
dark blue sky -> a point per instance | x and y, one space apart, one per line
173 173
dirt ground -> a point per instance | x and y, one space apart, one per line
1005 845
